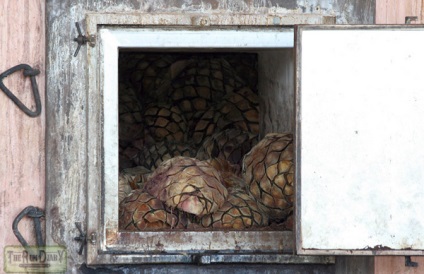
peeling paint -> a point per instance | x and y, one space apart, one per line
68 104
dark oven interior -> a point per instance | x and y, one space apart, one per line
195 150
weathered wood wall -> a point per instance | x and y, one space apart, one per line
22 158
394 12
66 137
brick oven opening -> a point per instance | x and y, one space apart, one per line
199 148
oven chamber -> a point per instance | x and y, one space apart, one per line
271 46
278 69
274 47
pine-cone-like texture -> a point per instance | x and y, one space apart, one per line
146 72
152 156
230 145
240 109
130 114
130 179
202 83
142 211
231 174
269 172
188 184
164 123
240 211
236 110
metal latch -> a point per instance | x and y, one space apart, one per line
82 39
83 238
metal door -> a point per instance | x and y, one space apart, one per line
359 130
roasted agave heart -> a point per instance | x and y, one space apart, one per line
188 184
240 211
140 211
130 179
269 172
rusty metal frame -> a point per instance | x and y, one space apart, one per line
115 247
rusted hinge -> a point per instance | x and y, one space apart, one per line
82 39
409 262
409 19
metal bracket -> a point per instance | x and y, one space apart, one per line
409 19
83 238
82 39
409 262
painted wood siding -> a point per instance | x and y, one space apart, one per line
395 11
22 157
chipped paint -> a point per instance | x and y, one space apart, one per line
73 164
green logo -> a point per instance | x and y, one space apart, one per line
45 259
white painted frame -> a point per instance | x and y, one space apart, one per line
226 32
114 39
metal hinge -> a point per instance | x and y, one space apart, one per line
409 262
409 19
82 39
83 238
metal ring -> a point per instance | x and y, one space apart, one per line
34 213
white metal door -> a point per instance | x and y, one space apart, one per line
360 140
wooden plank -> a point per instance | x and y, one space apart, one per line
353 11
66 136
396 264
421 4
354 265
380 11
22 161
394 11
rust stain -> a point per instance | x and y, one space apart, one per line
378 247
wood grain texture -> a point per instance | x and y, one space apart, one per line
420 8
394 12
22 158
396 264
354 265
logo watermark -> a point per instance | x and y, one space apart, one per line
44 259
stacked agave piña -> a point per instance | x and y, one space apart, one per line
188 124
189 185
140 211
240 210
269 172
130 179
